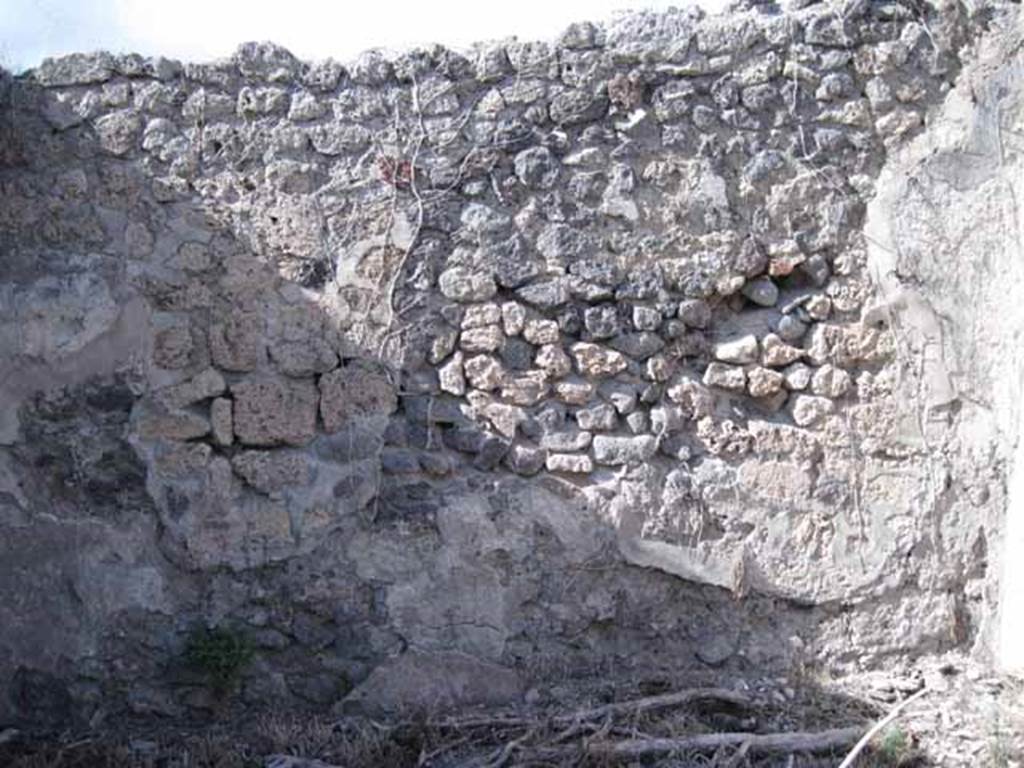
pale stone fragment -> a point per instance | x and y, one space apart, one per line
221 421
615 451
829 381
808 409
552 359
724 376
485 339
450 376
513 318
777 353
597 361
743 350
484 372
762 382
575 464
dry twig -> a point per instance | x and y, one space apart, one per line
893 714
759 744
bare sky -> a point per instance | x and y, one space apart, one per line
205 29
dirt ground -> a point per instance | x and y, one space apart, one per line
965 717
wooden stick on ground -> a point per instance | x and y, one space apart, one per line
664 701
893 714
759 744
646 704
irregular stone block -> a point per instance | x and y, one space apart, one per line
791 328
695 313
357 390
576 106
572 463
547 294
724 376
601 322
808 409
762 382
172 347
486 339
666 418
659 368
450 376
465 285
254 102
614 451
536 168
641 284
484 372
743 350
271 410
513 318
597 361
480 315
638 422
75 69
524 460
156 424
118 132
334 139
442 345
573 392
818 307
516 354
566 440
202 386
492 451
272 471
762 292
183 459
399 461
464 439
621 395
597 417
504 418
639 346
541 332
553 360
526 389
776 353
829 381
646 318
305 107
797 376
237 345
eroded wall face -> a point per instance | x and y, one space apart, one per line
543 354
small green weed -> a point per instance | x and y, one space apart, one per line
891 748
220 655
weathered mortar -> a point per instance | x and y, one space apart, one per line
539 355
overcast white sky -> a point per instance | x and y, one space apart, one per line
205 29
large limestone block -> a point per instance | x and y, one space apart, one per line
271 410
358 390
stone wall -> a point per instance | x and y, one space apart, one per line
561 357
